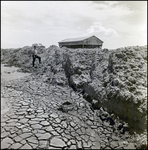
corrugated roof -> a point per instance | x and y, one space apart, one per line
76 39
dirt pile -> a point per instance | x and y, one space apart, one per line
113 79
127 85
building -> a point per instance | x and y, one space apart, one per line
83 42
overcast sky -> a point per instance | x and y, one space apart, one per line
117 23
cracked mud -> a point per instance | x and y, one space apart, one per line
48 116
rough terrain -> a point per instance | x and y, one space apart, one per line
77 98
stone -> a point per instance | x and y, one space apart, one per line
125 143
54 115
30 116
121 144
115 138
34 146
130 146
79 144
22 126
114 144
15 146
30 110
12 121
34 131
37 119
89 122
24 120
55 141
25 104
42 144
26 130
26 146
97 145
64 124
32 139
40 111
20 117
58 120
51 147
12 135
31 122
83 130
3 124
73 147
72 124
13 116
36 126
44 123
45 116
44 136
25 135
108 147
87 145
6 142
41 131
21 112
23 142
17 104
4 134
54 133
48 128
17 139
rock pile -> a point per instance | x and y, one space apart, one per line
116 80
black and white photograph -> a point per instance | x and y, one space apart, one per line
74 75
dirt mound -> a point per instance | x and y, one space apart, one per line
115 78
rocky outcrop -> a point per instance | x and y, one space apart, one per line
113 79
127 84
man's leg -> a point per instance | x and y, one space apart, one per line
33 60
39 58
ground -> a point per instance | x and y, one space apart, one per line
76 98
34 119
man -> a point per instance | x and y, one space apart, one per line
35 55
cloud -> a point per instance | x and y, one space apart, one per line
51 21
97 27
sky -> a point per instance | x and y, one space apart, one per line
116 23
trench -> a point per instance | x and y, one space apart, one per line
95 103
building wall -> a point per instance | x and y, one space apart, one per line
91 42
70 43
82 46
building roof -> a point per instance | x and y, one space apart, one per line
77 39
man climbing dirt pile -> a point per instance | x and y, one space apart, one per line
35 55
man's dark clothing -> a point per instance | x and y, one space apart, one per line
34 57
